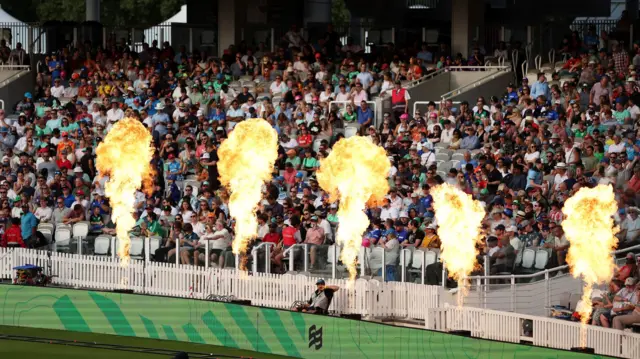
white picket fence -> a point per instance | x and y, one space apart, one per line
366 297
547 332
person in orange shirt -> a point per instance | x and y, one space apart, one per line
634 182
66 144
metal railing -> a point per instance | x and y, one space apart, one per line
438 103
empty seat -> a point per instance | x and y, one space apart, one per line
137 248
443 156
63 238
375 260
102 245
80 230
542 257
430 257
154 243
457 156
416 261
528 258
333 254
406 256
48 226
350 132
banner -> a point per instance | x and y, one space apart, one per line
263 330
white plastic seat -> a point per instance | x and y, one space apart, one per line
63 238
102 245
445 166
80 230
457 156
46 226
316 145
350 132
416 261
542 257
528 258
430 257
154 243
137 247
455 163
47 233
406 257
441 174
443 156
375 260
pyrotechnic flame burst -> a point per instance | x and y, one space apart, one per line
125 156
459 219
355 172
590 230
246 161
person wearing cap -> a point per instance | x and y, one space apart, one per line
560 175
604 304
504 258
431 239
626 308
320 299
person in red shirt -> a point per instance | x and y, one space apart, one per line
272 236
305 140
290 236
12 237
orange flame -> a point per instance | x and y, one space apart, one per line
459 218
246 161
125 156
590 230
355 172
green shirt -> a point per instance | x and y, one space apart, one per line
349 117
295 161
309 162
621 116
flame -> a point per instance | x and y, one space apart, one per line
590 230
246 161
459 219
125 156
355 172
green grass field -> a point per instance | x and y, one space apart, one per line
131 347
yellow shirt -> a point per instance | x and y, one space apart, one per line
430 241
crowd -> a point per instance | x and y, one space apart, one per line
522 153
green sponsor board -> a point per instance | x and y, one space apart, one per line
250 328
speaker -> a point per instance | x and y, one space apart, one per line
461 333
351 316
181 355
584 350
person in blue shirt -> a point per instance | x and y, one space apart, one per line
416 204
541 88
218 114
68 197
375 233
401 231
511 93
28 224
470 141
534 175
365 114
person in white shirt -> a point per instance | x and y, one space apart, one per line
388 212
325 225
114 114
44 212
561 175
447 133
394 200
278 87
342 95
630 228
72 90
618 146
219 241
57 90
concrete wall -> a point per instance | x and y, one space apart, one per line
13 87
463 78
496 86
430 90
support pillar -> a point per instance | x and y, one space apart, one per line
467 25
92 11
232 18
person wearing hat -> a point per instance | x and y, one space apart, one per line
115 113
560 175
623 311
504 258
320 299
431 239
